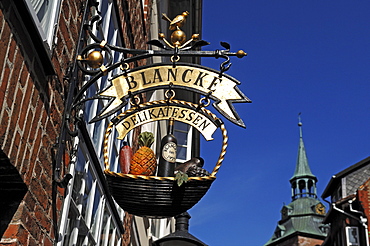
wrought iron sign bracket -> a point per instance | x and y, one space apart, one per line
128 85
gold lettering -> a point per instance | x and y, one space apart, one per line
126 125
190 116
173 74
183 113
174 112
196 120
151 114
200 79
161 112
144 79
157 76
213 83
131 82
204 124
184 75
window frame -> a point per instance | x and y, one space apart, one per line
21 20
47 35
350 229
116 215
88 146
188 145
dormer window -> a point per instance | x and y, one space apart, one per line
279 232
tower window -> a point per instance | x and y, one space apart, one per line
302 188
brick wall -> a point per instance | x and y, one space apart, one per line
135 34
300 241
364 198
304 241
32 105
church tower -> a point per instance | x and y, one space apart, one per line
301 220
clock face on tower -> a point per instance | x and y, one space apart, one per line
320 209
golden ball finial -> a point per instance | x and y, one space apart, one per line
178 37
95 59
240 54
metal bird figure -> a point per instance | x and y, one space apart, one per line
177 22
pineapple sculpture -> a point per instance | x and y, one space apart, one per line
143 161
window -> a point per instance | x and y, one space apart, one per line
183 133
45 14
280 231
89 216
90 219
352 236
337 195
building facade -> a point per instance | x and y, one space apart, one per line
51 180
348 192
301 220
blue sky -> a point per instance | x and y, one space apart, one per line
303 56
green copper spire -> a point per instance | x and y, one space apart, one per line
302 168
303 181
303 217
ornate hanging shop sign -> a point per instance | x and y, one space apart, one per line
203 80
151 195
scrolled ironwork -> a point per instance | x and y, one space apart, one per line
83 58
96 59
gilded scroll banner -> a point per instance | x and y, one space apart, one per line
189 116
222 89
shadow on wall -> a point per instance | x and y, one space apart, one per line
12 191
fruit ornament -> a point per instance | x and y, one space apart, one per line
144 161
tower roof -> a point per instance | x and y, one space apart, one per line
299 218
302 168
305 214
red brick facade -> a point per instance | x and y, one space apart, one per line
300 241
304 241
32 107
363 194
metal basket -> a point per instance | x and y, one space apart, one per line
158 197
